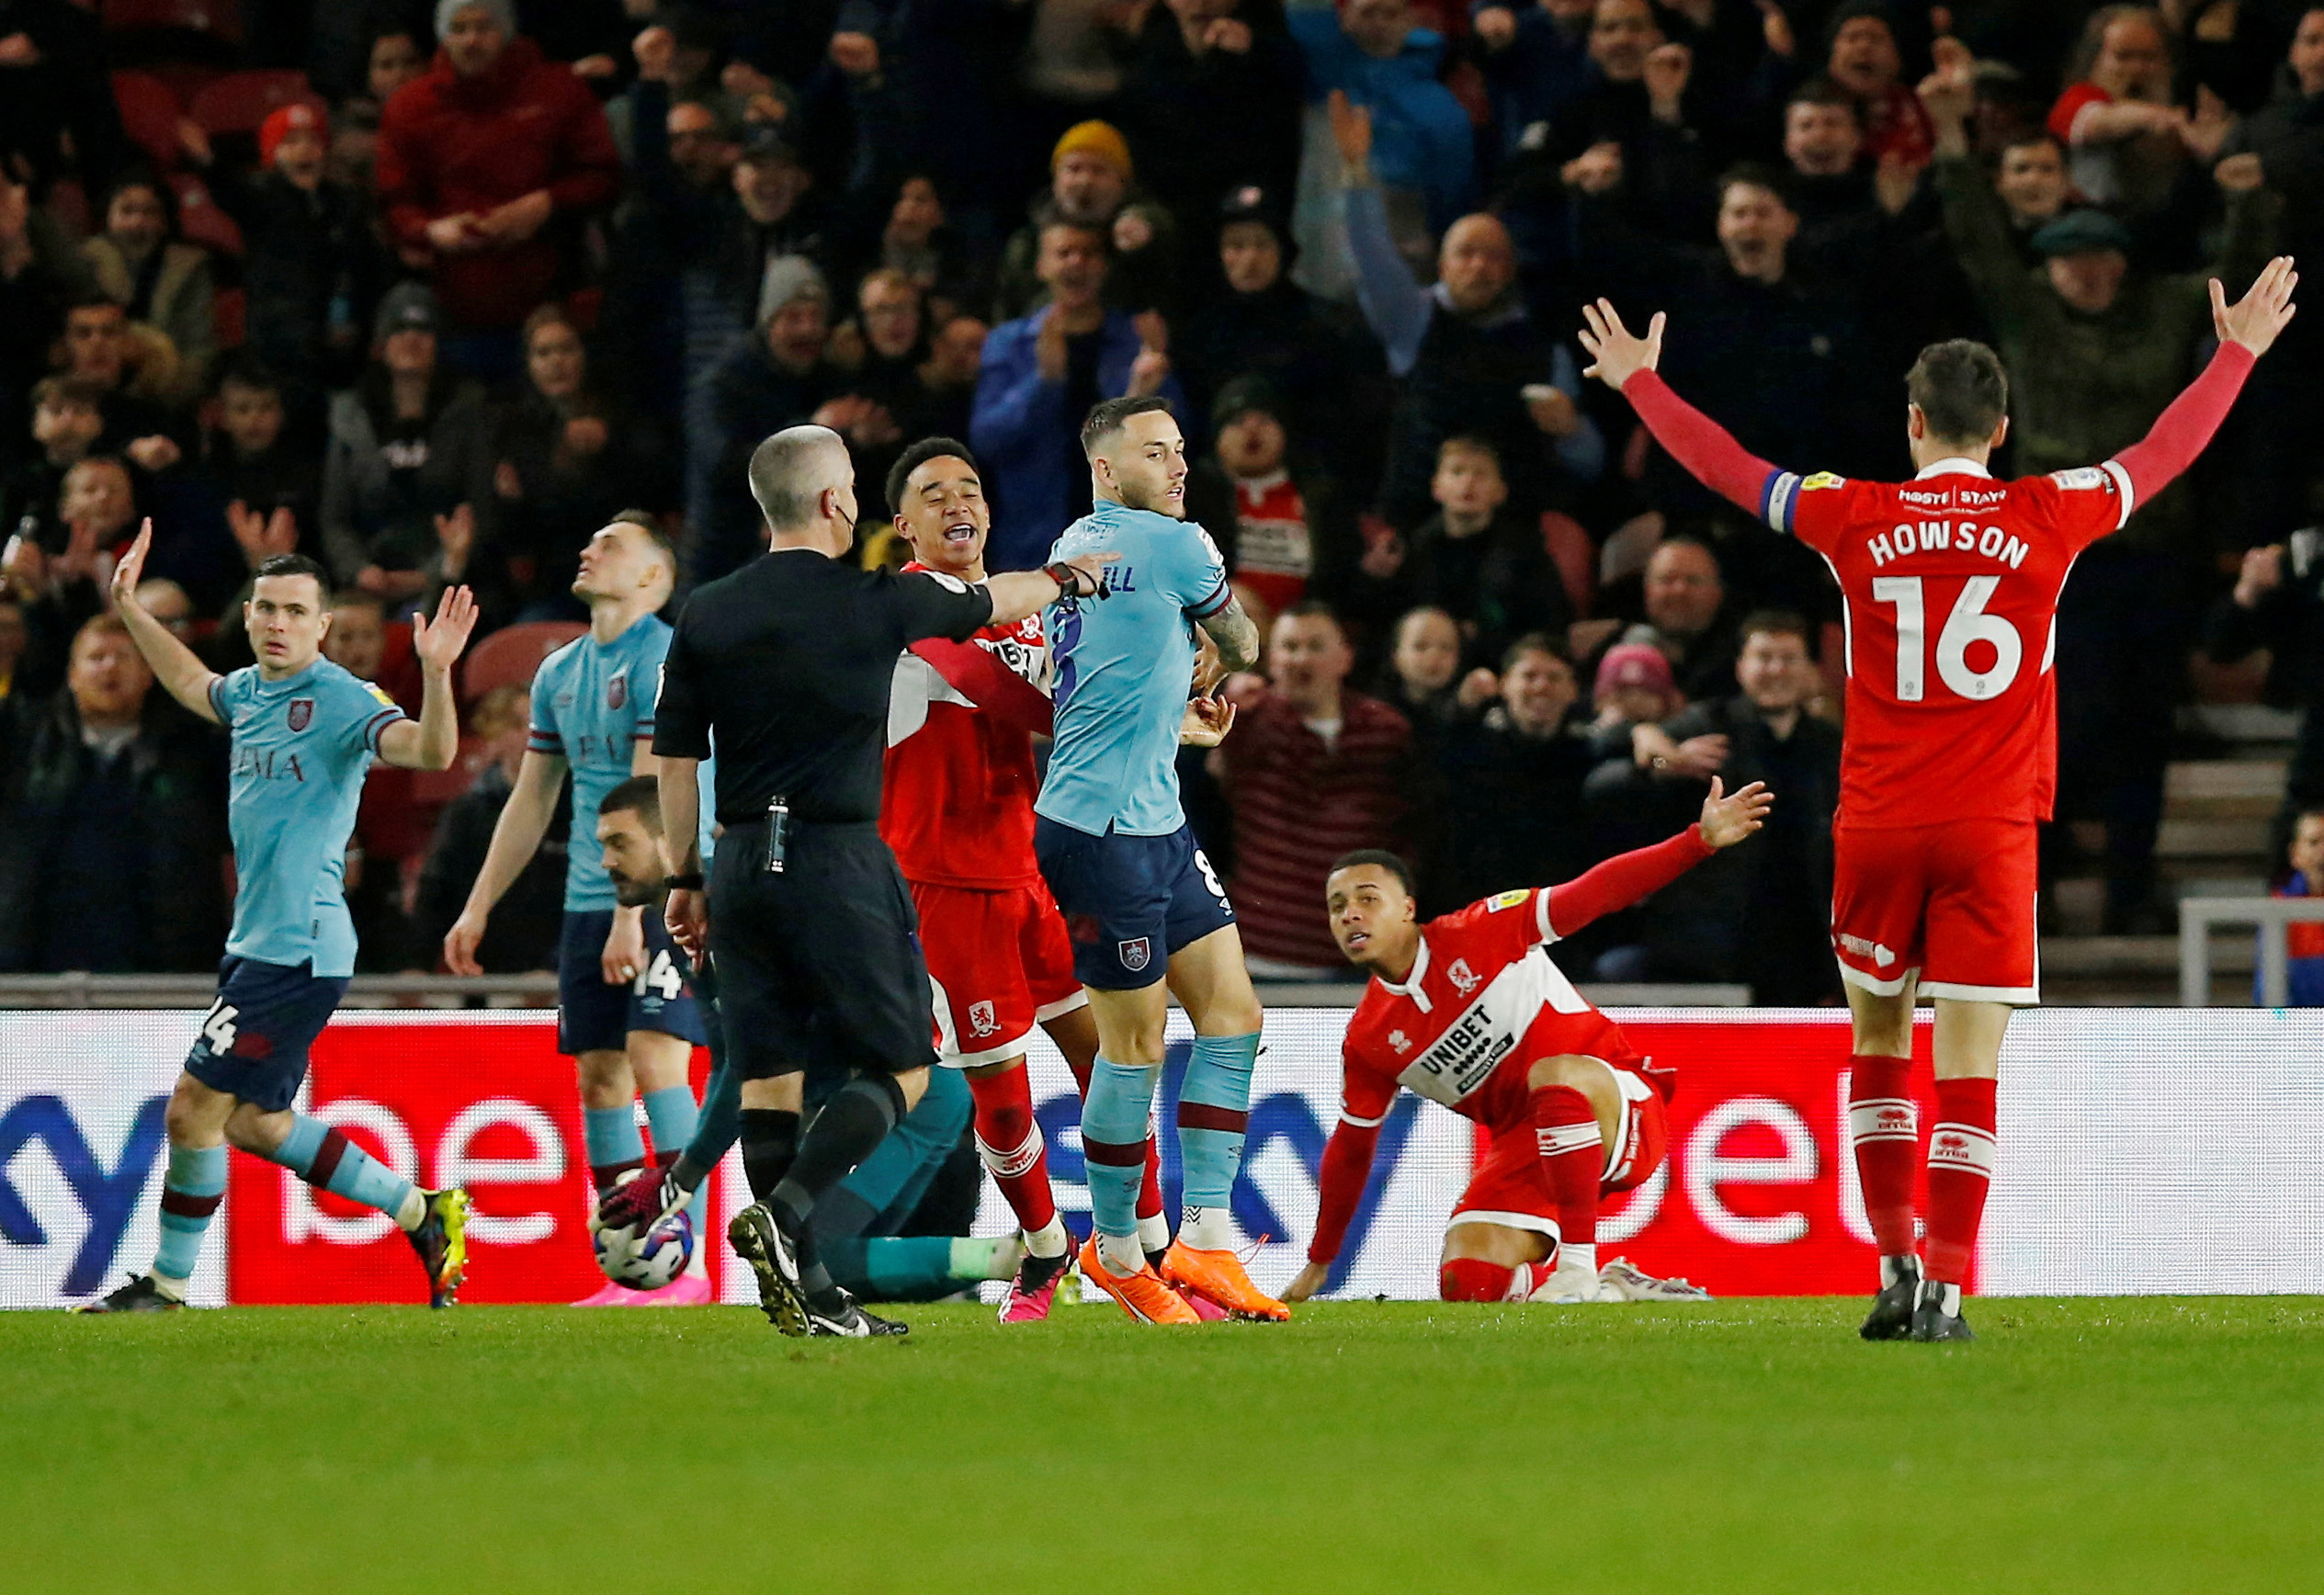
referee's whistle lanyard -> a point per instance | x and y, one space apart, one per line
778 831
778 807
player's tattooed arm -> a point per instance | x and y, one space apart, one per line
1236 636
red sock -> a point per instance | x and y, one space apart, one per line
1149 1192
1886 1128
1011 1147
1573 1156
1472 1279
1960 1171
604 1176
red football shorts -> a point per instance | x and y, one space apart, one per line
1511 1188
1952 903
998 962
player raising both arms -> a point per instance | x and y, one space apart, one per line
1951 582
302 732
956 810
1468 1010
625 1012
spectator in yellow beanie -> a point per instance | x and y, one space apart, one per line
1090 186
1095 141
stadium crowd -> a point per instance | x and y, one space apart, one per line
429 292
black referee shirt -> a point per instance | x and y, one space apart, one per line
789 660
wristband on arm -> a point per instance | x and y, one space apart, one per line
1072 580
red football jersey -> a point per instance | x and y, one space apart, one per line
1481 985
957 784
1951 584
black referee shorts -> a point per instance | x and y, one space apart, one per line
819 965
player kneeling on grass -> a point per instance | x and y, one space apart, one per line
1468 1010
302 732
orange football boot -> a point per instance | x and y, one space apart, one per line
1141 1294
1218 1276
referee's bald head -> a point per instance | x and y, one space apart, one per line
792 471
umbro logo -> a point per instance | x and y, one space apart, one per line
1879 953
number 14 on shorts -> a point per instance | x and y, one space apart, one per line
220 1026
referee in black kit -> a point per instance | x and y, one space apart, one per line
785 663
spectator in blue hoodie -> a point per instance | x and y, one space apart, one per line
1042 374
1536 60
1469 358
1421 141
2303 944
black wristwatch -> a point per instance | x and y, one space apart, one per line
681 882
1072 580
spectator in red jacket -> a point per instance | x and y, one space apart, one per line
485 165
1312 772
1866 61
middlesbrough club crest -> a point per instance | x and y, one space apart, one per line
1137 954
301 713
616 692
980 1019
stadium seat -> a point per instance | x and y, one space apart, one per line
150 112
432 789
68 202
218 19
1574 555
231 310
238 102
185 79
199 217
513 654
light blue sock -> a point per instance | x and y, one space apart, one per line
722 1122
1213 1112
673 1117
913 1267
612 1139
1121 1099
190 1193
323 1156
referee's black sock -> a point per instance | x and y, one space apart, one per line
850 1127
770 1141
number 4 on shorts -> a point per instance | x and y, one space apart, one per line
217 1026
661 976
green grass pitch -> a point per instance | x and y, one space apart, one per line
2118 1445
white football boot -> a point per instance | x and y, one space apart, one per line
1624 1281
1571 1288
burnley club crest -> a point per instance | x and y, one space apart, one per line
301 713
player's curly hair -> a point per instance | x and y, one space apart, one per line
918 455
1961 388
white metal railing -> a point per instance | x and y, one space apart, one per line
81 990
2198 915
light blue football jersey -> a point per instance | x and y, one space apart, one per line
593 703
1124 665
300 747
